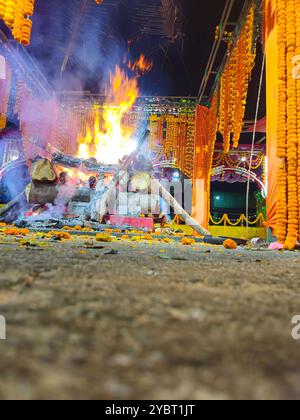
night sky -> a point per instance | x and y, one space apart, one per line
102 42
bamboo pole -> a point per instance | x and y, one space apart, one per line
12 203
158 188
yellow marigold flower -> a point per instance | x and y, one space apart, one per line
103 237
188 241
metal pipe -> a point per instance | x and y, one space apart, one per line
243 13
223 24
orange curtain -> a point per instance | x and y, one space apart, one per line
201 182
271 48
5 87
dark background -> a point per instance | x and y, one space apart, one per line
99 37
102 39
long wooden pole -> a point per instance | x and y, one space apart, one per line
12 203
158 188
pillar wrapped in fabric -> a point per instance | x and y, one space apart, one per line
271 34
201 181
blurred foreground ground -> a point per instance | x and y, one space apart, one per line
148 321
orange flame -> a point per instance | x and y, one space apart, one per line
110 140
141 66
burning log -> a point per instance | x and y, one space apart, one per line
42 188
41 193
83 195
104 195
89 165
42 171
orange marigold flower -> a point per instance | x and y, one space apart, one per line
61 235
148 237
167 240
188 241
290 244
16 232
230 244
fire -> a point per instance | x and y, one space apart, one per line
84 145
76 176
110 139
141 66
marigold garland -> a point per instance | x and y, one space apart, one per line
281 133
2 8
16 15
179 141
281 200
288 144
297 8
292 141
235 82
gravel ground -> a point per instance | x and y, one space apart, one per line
147 322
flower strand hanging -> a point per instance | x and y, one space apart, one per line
16 15
235 82
288 134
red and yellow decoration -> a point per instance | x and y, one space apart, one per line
16 15
235 82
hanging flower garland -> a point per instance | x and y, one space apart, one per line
188 166
16 15
281 200
2 8
297 8
288 136
281 131
174 136
153 120
171 137
235 82
292 146
224 109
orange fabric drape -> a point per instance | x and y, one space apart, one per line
201 182
272 107
5 87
